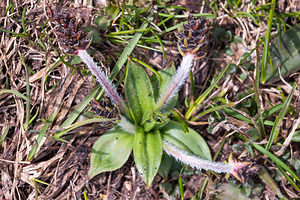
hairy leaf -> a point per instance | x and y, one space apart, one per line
139 92
110 151
147 151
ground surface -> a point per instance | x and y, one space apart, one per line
58 84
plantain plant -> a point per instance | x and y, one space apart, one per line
145 127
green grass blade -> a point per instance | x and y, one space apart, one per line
73 116
34 116
23 19
129 31
258 103
9 7
161 44
15 93
279 118
202 97
122 17
267 113
290 180
27 117
41 135
128 50
192 85
237 115
42 182
276 160
267 41
82 123
243 14
4 134
213 109
181 189
181 122
8 31
280 165
207 15
148 67
85 195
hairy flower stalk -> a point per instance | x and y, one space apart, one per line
127 126
103 80
177 81
76 41
196 162
189 43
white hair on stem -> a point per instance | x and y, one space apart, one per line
126 126
177 81
196 162
104 81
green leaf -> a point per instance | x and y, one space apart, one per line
4 134
110 151
147 151
296 136
166 76
269 181
139 92
191 143
202 97
267 41
165 165
279 119
285 54
74 115
15 93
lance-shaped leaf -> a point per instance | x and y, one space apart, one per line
110 151
139 92
147 151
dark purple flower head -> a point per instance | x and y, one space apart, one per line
192 39
71 35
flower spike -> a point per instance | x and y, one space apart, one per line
192 39
75 41
189 43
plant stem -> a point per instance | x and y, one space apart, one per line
177 81
103 80
196 162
